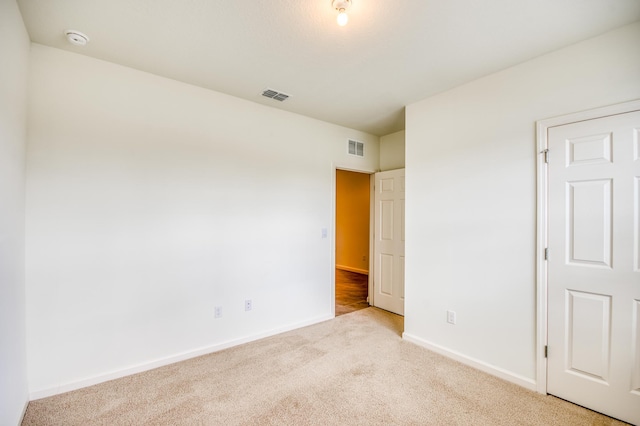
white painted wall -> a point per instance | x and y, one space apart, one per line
150 201
14 54
471 182
392 151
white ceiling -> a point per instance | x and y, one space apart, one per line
390 54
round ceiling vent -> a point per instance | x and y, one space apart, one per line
76 37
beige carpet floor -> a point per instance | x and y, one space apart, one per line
354 369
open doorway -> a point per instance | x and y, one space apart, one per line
353 206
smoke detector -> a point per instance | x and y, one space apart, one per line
76 37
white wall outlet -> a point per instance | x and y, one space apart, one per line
451 317
325 233
248 305
217 312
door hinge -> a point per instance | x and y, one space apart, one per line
546 351
546 254
546 155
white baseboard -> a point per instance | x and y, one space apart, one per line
90 381
24 411
351 269
509 376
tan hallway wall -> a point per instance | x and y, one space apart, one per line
352 221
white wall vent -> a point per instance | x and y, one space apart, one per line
274 94
356 148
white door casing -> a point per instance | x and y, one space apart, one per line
388 267
593 267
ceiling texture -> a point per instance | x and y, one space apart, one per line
390 54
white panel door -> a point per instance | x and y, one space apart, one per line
594 264
388 267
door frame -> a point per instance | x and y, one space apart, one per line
371 172
542 225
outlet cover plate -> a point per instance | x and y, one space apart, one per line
451 317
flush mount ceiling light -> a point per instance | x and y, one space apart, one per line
76 37
341 6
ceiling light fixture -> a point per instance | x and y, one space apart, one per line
341 6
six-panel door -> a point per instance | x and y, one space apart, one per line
594 264
388 281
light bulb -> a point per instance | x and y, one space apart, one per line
342 18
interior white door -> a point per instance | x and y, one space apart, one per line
388 268
594 264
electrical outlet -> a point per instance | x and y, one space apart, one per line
364 258
451 317
247 305
217 312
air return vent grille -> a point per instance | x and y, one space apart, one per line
356 148
274 94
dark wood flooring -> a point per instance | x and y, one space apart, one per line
352 290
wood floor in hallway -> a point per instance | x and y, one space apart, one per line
352 290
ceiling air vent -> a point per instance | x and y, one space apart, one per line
356 148
273 94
